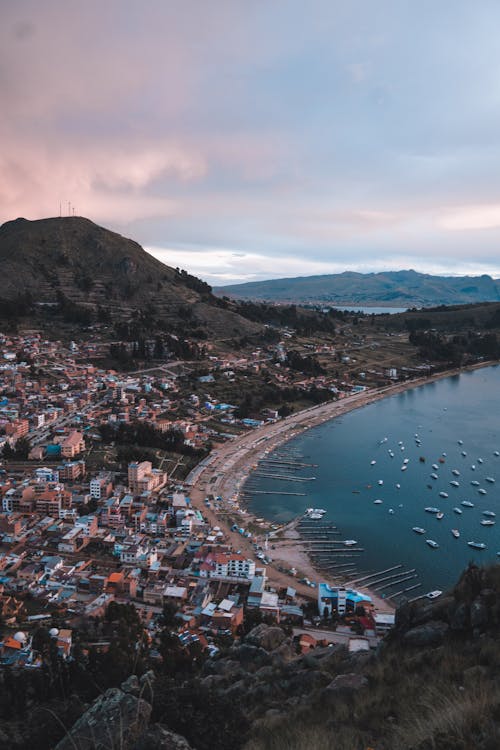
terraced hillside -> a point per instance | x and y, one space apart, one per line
74 259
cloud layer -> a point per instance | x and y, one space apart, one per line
342 136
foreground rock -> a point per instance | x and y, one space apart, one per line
115 720
158 737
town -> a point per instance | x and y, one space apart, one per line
85 524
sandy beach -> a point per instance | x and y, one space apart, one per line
224 471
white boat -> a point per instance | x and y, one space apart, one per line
475 483
443 454
455 472
404 467
418 530
391 511
435 467
381 481
350 542
405 460
487 522
473 467
432 543
480 460
481 491
378 502
490 480
460 442
443 494
489 513
432 510
464 454
454 483
373 463
439 516
496 453
477 545
455 533
467 504
434 476
434 594
459 511
398 486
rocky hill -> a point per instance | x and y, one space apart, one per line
74 261
396 289
432 685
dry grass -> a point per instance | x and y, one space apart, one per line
453 718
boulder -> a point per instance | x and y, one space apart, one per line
347 683
131 685
251 657
431 634
459 617
268 637
158 737
478 613
115 719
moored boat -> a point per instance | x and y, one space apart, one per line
432 543
439 515
443 494
477 545
489 513
418 530
467 504
487 522
455 533
432 510
458 511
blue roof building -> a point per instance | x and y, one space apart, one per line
338 599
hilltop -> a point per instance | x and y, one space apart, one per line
72 262
393 288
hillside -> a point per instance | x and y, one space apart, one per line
431 685
394 288
74 261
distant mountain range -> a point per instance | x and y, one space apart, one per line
390 289
70 261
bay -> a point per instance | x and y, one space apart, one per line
462 408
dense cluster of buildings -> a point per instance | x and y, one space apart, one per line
75 537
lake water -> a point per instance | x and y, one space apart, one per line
464 407
371 310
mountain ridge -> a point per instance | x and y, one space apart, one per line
389 288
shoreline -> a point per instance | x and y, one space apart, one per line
225 470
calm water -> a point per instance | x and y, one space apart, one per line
464 407
370 310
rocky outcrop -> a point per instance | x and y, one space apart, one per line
158 737
266 636
115 719
430 634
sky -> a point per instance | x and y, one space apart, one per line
254 139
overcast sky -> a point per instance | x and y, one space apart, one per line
247 139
